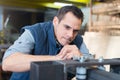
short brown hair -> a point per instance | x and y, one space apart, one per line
76 11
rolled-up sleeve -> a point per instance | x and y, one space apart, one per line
84 49
24 44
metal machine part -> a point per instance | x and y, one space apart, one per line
58 70
115 68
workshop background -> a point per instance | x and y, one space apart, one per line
100 29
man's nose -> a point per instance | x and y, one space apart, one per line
70 33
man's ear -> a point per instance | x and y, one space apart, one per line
55 21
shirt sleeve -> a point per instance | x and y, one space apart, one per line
84 49
24 44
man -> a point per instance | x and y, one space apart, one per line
56 40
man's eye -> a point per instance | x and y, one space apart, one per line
76 31
67 27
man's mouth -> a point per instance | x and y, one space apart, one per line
68 40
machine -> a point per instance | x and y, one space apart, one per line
82 68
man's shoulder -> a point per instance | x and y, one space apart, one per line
79 37
42 25
38 26
78 40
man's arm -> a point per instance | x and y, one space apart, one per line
17 57
20 62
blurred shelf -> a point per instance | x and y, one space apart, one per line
107 8
106 17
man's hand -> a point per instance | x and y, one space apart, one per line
68 52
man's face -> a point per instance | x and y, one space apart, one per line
67 29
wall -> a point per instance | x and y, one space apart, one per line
101 44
